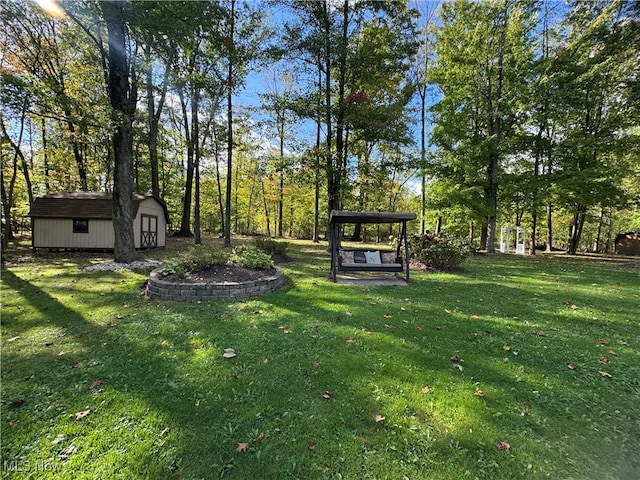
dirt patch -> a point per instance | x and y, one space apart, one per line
223 274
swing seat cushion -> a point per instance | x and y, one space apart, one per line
368 261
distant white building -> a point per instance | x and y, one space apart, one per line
84 221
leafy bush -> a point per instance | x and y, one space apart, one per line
439 252
250 257
196 258
272 247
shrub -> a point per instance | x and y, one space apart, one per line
439 252
272 247
196 258
250 257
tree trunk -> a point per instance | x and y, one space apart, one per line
575 231
7 199
122 96
195 131
227 223
153 116
220 202
266 212
483 237
549 228
185 222
47 185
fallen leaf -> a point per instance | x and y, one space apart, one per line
602 341
479 393
506 347
260 436
349 341
197 403
474 316
77 365
455 358
504 446
604 360
327 395
458 366
60 354
348 314
447 310
16 402
161 342
242 447
165 432
67 452
574 307
316 364
265 361
58 439
312 447
96 383
425 390
378 418
229 353
612 352
571 366
13 339
386 315
83 414
287 331
605 374
542 334
505 359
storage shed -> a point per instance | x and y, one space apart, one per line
84 221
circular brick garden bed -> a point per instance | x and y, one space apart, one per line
162 288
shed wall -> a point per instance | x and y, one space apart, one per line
150 206
58 233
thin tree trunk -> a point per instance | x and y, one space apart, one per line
47 185
227 224
266 211
195 131
549 228
185 223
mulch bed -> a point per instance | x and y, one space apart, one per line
223 274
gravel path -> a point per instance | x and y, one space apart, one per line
137 265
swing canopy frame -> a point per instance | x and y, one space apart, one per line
347 260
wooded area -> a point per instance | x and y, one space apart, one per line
262 117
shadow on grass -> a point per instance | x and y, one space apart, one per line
186 408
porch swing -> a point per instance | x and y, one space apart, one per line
367 260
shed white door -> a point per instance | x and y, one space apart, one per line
148 231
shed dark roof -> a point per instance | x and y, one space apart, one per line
342 216
95 205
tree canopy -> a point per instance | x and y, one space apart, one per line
263 117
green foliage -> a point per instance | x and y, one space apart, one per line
440 252
164 403
196 258
270 246
250 257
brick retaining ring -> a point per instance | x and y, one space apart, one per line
160 289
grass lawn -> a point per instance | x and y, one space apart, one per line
517 368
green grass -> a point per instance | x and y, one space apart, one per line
168 405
